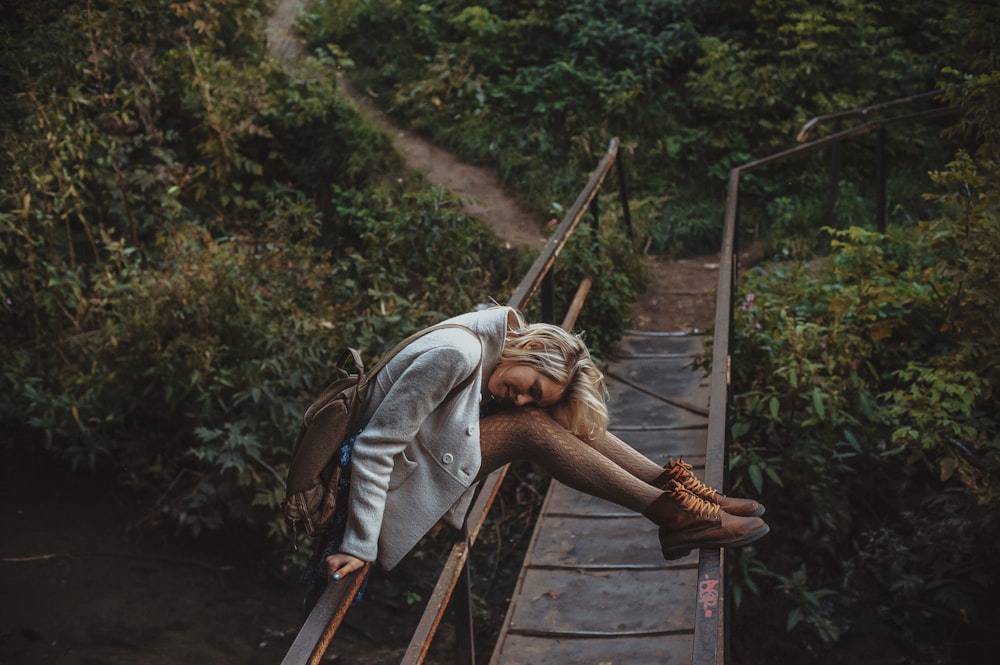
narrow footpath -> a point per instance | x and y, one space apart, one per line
680 296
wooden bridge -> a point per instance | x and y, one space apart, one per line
594 587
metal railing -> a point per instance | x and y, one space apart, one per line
881 172
453 586
710 635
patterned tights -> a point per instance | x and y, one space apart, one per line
607 468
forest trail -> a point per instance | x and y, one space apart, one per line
81 588
680 296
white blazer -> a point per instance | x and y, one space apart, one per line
418 455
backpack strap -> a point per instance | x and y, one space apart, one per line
414 337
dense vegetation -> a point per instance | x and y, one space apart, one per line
189 235
188 231
866 361
692 89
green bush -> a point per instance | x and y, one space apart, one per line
188 235
693 89
845 378
537 90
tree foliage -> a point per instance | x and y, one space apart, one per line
538 88
187 233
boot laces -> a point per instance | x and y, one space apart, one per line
681 472
692 503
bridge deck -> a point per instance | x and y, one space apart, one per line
594 588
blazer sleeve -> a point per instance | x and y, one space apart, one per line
413 395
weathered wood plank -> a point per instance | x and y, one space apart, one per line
594 588
626 540
666 376
637 344
658 650
568 602
661 445
634 408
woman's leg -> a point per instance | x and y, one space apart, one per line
531 434
627 457
645 469
686 521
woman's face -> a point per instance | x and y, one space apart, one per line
517 384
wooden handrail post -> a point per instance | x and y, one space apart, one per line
595 217
548 297
577 305
836 151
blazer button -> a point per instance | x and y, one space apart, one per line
470 430
448 458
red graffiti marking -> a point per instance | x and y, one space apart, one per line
708 595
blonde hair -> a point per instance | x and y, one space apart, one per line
564 358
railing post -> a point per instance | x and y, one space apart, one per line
836 152
880 180
548 297
465 638
623 191
595 216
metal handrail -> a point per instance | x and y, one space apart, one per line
816 121
314 637
710 639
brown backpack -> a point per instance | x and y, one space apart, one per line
313 473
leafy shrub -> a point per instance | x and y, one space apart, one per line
843 379
188 235
537 89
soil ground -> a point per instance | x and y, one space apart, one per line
78 586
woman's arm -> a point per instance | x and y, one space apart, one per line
421 387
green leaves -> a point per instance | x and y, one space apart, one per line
858 389
528 87
188 233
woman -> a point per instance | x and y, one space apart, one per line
460 402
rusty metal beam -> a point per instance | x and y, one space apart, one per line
816 121
314 637
574 307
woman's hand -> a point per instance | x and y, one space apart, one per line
339 565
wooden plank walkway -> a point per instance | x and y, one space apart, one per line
594 588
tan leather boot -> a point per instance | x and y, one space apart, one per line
680 471
687 521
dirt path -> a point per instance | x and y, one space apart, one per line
477 187
681 292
